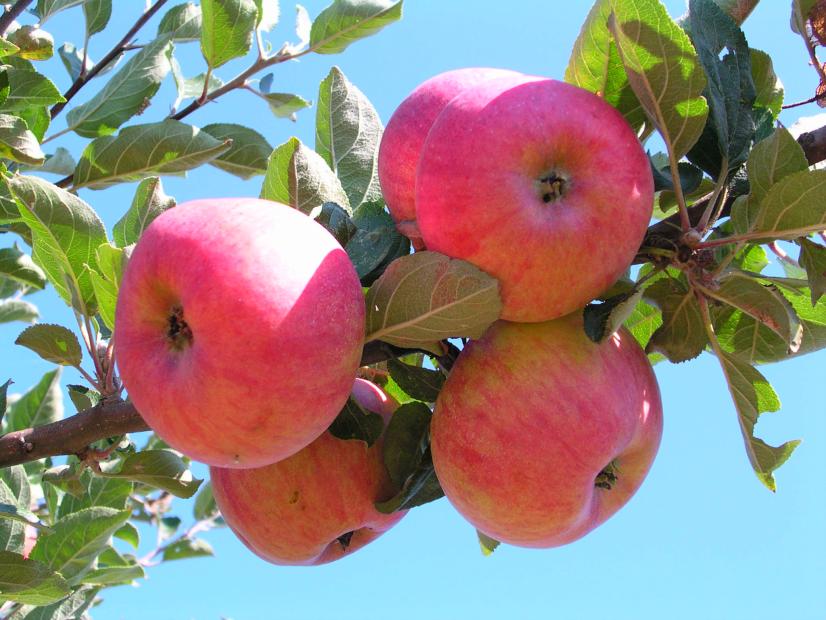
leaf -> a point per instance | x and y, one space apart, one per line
129 534
97 14
762 302
187 548
167 527
77 539
375 244
54 343
139 151
420 488
96 491
12 528
46 8
205 507
753 395
127 93
247 157
682 335
20 267
297 176
125 573
106 281
71 608
18 143
66 232
813 260
227 28
29 89
730 90
40 405
303 26
793 207
162 469
17 310
690 176
73 57
337 222
83 397
7 48
149 202
285 105
66 478
406 441
17 481
3 397
420 383
29 582
32 43
348 132
426 297
355 422
268 14
603 319
595 65
60 162
193 87
768 87
346 21
662 69
487 544
182 22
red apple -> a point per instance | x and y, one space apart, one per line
542 185
239 330
317 505
539 435
404 136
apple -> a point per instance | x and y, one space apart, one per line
540 184
315 506
539 435
238 330
404 136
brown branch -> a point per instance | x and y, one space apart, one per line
119 48
9 15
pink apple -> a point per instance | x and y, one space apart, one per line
539 435
402 141
238 330
317 505
542 185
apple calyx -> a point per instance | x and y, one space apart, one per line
607 477
344 540
178 333
551 186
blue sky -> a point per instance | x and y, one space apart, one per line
701 539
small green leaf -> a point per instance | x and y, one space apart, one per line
605 318
162 469
487 544
149 202
29 582
227 29
121 574
374 246
690 176
20 267
426 297
18 143
406 441
106 281
4 388
66 478
285 105
40 405
96 491
129 534
140 151
73 58
29 89
183 22
54 343
420 383
167 527
420 488
7 48
60 162
355 422
46 8
97 14
205 507
337 222
83 397
682 335
768 87
297 176
12 528
247 157
187 548
17 310
813 260
190 88
346 21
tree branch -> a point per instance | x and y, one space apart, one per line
9 15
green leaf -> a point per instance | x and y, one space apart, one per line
753 395
119 574
337 222
77 539
420 488
285 105
71 608
40 405
595 65
149 202
426 297
182 22
690 176
28 89
29 582
420 383
167 527
46 8
227 28
32 43
60 162
37 119
487 544
140 151
682 335
96 491
106 281
17 310
54 343
162 469
3 397
19 266
247 157
348 132
12 527
97 14
17 481
793 206
297 176
605 318
129 534
662 69
66 478
346 21
127 93
18 143
205 507
355 422
7 48
406 441
813 260
83 397
72 59
376 242
66 232
268 14
768 87
187 548
189 88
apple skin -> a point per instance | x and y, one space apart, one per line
480 194
294 512
530 415
276 315
405 134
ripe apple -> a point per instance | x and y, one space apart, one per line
404 136
315 506
539 435
238 330
540 184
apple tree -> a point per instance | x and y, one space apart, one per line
731 185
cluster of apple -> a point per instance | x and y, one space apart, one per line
240 325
